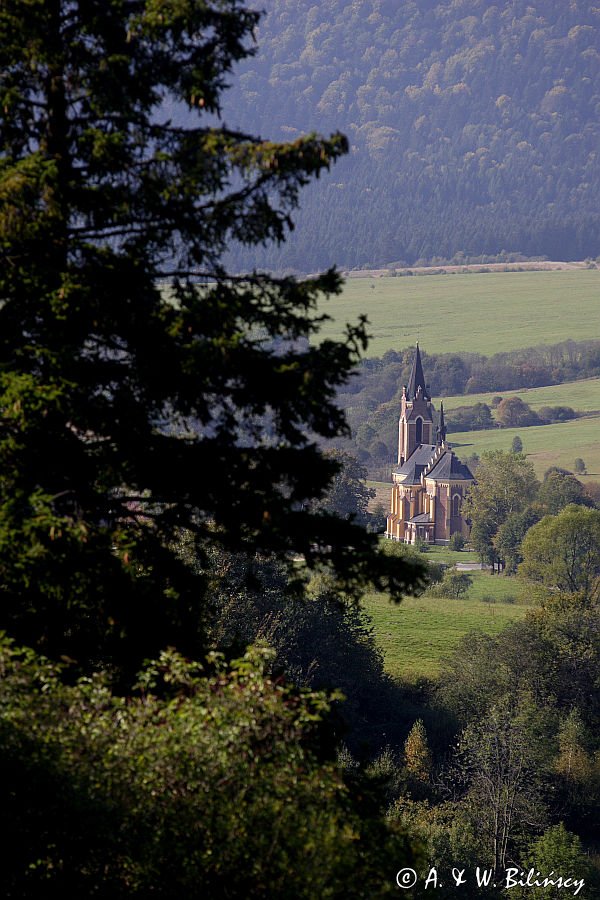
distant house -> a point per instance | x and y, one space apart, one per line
429 482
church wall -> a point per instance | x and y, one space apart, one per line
457 523
441 513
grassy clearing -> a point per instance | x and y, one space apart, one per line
583 396
545 445
484 313
416 635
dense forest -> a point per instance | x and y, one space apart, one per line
474 127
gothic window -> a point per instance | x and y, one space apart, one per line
456 505
419 431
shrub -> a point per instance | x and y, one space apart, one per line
203 785
457 541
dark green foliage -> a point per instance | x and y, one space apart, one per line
502 758
205 784
561 852
142 389
556 413
474 127
517 444
347 496
561 554
453 584
551 659
318 640
509 536
506 485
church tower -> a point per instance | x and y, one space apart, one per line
416 413
430 482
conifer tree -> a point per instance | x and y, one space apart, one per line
143 389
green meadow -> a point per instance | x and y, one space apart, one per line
544 445
416 635
482 312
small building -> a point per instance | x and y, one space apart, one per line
429 481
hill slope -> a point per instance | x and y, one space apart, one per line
474 127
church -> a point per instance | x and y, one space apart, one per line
429 481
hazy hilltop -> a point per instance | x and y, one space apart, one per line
474 126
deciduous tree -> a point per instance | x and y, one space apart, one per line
562 553
506 484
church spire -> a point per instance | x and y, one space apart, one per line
441 429
417 378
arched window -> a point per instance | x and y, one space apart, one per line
419 430
456 505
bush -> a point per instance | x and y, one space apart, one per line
457 541
556 413
203 785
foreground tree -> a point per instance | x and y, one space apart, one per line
132 410
502 760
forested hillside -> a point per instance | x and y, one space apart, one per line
474 127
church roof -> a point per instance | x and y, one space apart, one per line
447 468
417 378
416 464
421 519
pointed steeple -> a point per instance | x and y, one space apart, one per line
441 429
417 378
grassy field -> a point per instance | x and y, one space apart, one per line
484 313
544 445
583 396
416 635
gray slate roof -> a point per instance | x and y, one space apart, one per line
448 467
416 463
417 378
